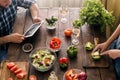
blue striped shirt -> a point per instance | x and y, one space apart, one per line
7 18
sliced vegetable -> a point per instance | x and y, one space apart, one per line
19 70
10 65
96 55
89 46
55 43
15 67
21 75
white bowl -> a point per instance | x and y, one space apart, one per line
50 27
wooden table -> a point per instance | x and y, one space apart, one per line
23 21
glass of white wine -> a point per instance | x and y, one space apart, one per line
63 11
76 33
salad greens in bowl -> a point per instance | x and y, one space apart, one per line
42 59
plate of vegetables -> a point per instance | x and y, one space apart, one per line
42 59
75 74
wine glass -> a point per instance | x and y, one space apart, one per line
63 11
76 33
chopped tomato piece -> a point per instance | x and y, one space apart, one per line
14 68
10 65
19 70
32 77
21 75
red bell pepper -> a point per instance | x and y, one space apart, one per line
63 62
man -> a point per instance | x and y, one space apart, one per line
8 11
114 52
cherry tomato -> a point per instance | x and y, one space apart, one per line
10 65
21 75
15 67
68 32
10 79
19 70
32 77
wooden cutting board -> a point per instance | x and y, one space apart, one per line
88 35
104 62
5 73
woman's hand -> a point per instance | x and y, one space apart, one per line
113 53
101 47
15 38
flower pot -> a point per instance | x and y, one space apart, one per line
51 27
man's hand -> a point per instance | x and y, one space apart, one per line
36 19
15 38
114 53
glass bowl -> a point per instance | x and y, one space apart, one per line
48 43
42 59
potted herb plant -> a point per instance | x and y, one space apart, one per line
94 14
51 22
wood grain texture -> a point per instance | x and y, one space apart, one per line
6 73
42 35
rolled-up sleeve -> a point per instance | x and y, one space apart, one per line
25 3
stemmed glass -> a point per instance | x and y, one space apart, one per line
63 11
76 33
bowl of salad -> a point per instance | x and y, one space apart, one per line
42 59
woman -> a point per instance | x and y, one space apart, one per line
114 51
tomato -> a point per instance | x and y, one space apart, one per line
15 67
32 77
10 65
19 70
10 79
68 32
21 75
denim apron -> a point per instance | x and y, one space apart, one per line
116 62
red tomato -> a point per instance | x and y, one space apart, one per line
15 67
32 77
68 32
19 70
10 79
21 75
10 65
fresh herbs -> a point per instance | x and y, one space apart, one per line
51 21
95 14
77 23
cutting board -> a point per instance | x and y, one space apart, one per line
5 73
88 35
104 62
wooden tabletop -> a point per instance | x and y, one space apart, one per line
82 61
